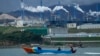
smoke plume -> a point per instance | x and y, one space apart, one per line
78 8
59 8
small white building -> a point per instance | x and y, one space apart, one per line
89 26
34 22
58 30
71 25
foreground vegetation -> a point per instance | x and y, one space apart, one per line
9 29
14 36
19 37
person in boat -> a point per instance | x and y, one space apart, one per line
39 48
71 48
59 49
80 44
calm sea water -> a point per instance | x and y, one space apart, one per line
21 52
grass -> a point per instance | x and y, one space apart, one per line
8 29
76 39
75 30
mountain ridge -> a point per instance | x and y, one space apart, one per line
74 14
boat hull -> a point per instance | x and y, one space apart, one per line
45 51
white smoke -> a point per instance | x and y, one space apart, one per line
59 8
42 8
94 13
78 8
37 9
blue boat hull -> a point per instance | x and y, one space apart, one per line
52 51
46 51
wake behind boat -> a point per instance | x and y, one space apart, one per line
38 50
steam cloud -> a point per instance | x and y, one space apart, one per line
78 8
94 13
42 8
59 8
37 9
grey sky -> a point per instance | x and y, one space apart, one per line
12 5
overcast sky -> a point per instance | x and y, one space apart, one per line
12 5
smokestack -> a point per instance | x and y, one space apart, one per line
22 9
41 16
97 11
41 3
59 3
22 4
19 22
21 0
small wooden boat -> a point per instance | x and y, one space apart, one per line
38 50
